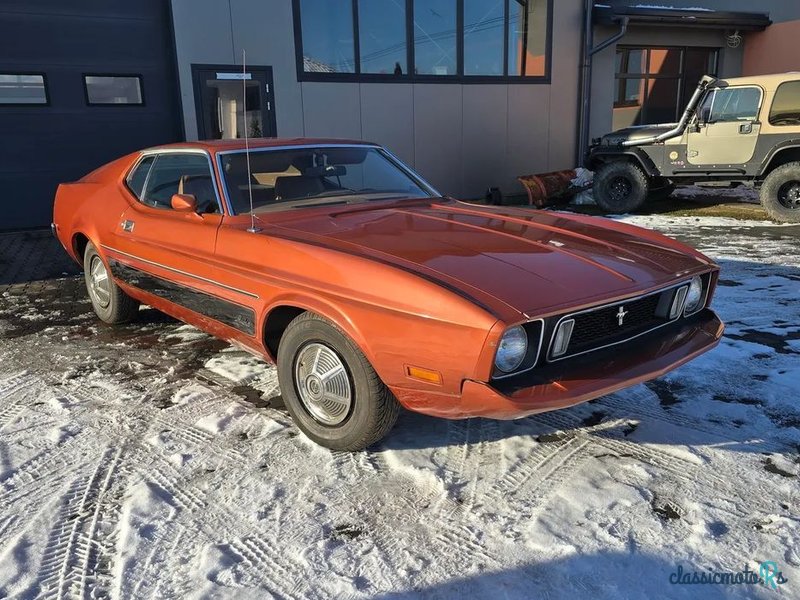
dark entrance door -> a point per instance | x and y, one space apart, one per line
222 91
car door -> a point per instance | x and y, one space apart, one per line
161 250
728 127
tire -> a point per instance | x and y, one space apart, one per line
620 187
312 346
780 193
109 302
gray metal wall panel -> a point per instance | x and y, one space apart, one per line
332 110
387 117
485 137
438 136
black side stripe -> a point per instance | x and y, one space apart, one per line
227 312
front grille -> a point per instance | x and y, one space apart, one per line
600 327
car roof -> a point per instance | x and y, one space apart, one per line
768 82
214 146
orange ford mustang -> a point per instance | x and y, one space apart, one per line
371 291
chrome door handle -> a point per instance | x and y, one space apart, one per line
128 226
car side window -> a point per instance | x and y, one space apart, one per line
138 176
735 104
176 173
785 109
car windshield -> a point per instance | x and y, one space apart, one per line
301 177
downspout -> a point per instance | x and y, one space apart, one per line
589 50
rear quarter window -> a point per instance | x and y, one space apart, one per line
785 109
138 176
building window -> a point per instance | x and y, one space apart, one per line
422 40
785 108
23 88
113 89
528 38
653 85
435 27
382 38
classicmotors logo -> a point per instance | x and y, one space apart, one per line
768 575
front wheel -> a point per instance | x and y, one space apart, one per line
780 193
329 387
620 187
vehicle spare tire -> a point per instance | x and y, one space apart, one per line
620 187
780 193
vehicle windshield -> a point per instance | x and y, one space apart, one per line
301 177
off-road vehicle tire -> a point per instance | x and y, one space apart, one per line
109 302
780 193
620 187
311 348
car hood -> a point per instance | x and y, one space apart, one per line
631 134
535 262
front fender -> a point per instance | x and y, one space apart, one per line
323 308
601 154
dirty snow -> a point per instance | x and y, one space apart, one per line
151 461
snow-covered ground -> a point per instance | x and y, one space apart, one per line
151 461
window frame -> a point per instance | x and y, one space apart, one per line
621 79
410 76
115 104
41 74
137 201
748 86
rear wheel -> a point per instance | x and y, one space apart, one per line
332 392
109 302
780 193
620 187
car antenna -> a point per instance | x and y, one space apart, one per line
252 228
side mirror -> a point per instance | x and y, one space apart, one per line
184 202
705 116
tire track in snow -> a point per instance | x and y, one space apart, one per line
70 560
10 411
686 471
265 562
634 404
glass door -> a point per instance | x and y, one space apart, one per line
230 102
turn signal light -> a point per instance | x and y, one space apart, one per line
425 375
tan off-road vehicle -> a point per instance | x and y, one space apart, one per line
743 131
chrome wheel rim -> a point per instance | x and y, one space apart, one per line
99 284
789 195
323 383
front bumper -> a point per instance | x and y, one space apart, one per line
587 377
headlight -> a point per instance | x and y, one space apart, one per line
694 296
511 350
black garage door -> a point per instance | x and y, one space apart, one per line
81 83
